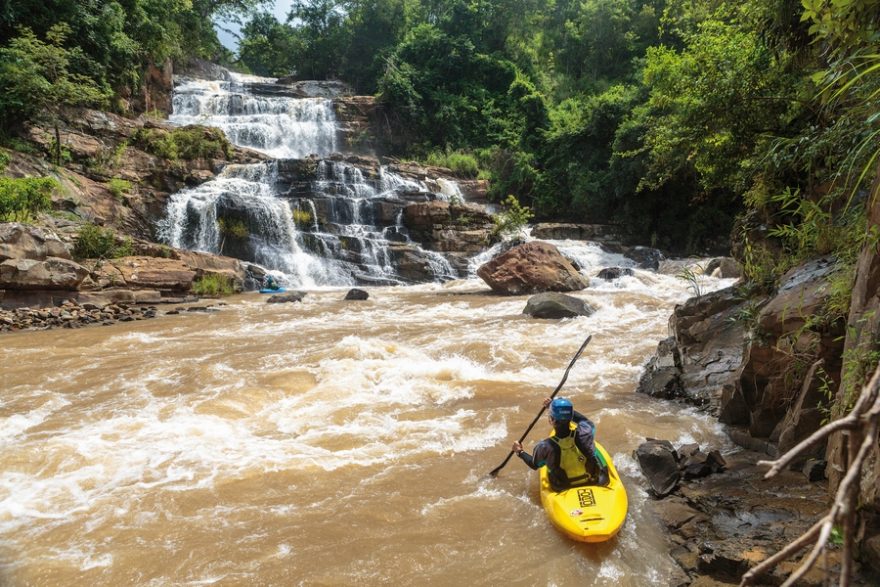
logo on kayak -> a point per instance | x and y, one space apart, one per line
575 513
586 498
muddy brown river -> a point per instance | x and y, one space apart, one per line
326 442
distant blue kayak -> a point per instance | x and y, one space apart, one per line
268 290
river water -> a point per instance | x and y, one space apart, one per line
326 442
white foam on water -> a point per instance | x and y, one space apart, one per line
481 493
610 569
96 562
136 339
590 256
13 426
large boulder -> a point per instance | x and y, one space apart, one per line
724 267
659 463
23 241
701 359
532 267
357 294
612 273
556 305
154 273
52 273
208 264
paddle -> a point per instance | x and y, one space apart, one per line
494 472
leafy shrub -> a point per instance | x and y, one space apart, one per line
118 187
513 219
187 143
213 284
234 228
95 242
462 164
22 198
22 146
301 217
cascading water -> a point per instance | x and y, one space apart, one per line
361 218
281 127
337 231
238 214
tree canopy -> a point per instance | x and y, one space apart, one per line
674 119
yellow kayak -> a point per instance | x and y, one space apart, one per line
591 513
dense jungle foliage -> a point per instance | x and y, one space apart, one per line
678 120
684 122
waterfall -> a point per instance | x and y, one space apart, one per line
353 231
280 127
238 214
325 222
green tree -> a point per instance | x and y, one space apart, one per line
269 47
320 27
36 81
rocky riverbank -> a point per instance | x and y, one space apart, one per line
72 315
768 367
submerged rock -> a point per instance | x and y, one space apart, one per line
356 294
556 305
295 296
611 273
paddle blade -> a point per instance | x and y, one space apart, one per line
494 472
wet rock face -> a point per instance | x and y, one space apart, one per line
701 359
533 267
449 227
722 525
779 391
567 230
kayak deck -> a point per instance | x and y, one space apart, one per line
591 513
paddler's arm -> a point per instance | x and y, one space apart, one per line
534 462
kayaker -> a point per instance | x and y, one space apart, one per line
271 283
570 453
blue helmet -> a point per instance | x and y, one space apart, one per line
561 409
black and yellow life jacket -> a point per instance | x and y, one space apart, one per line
573 467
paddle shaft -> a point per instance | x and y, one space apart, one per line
495 471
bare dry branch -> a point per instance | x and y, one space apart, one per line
783 554
783 461
864 421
